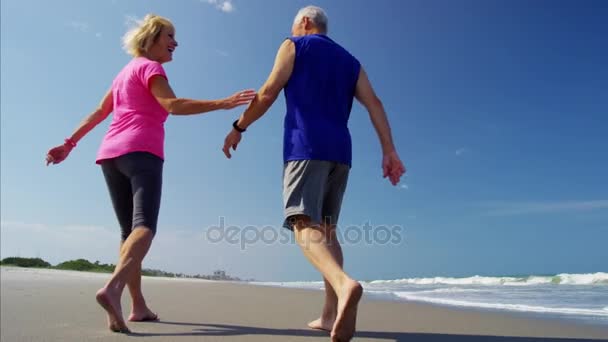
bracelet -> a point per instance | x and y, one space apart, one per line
70 142
237 128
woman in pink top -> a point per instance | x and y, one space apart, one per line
131 154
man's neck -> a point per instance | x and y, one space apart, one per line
314 31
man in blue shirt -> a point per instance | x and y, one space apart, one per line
320 79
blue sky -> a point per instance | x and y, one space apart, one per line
498 110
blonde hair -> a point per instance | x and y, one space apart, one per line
144 33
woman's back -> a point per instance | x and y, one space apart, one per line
138 119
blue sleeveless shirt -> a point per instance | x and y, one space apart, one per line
319 97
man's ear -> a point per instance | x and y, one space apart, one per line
307 23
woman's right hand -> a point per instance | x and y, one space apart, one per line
58 154
243 97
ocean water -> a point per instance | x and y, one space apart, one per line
582 297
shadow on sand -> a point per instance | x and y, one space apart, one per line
209 329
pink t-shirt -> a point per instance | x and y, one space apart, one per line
138 120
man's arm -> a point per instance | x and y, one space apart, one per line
365 94
268 93
391 164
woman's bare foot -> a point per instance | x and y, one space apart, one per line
346 320
143 315
110 302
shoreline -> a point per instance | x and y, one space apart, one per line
549 317
236 311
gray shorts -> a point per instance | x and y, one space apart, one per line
313 188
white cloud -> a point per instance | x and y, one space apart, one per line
98 34
225 6
79 26
461 151
521 208
404 186
131 20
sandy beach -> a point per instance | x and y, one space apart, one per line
48 305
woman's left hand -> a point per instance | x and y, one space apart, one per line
243 97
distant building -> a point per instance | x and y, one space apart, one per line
219 274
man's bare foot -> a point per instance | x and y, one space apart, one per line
328 315
346 320
145 315
322 324
110 302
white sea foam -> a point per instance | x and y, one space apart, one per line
600 278
573 295
512 307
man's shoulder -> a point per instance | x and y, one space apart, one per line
339 46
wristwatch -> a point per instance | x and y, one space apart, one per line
237 128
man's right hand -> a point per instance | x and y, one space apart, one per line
392 167
232 140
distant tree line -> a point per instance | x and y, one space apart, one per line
25 262
85 265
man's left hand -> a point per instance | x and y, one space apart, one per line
392 167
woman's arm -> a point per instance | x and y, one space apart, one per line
160 88
57 154
106 106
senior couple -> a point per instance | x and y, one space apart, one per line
319 78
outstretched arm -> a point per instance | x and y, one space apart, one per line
364 93
160 88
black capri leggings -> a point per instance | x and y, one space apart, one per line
135 184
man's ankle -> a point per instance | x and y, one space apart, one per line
139 304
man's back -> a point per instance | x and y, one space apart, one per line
319 98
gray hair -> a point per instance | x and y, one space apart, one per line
315 14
